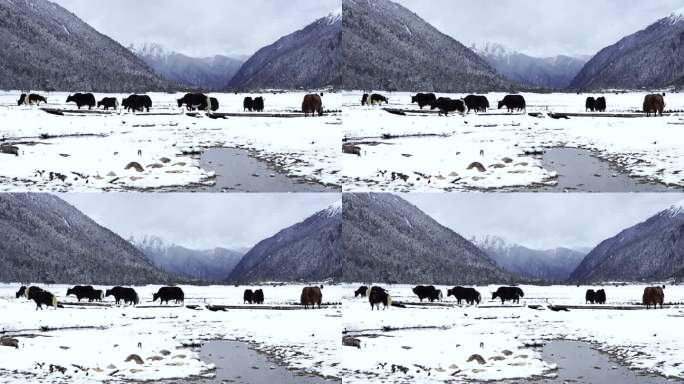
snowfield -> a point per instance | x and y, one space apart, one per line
92 151
507 338
433 153
306 340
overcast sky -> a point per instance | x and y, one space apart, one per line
200 221
542 28
200 28
543 221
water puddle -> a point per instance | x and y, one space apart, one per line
579 363
236 171
237 363
579 171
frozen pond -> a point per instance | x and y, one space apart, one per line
237 171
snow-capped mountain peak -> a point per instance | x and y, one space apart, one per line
491 242
150 242
488 48
335 15
149 49
676 209
334 208
677 15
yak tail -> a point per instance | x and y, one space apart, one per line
135 297
54 301
389 300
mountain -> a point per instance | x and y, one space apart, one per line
211 265
388 240
207 73
308 58
43 239
650 251
546 72
651 58
307 251
44 46
550 264
385 46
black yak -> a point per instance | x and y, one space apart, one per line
513 103
137 103
379 296
128 295
600 296
427 292
590 296
108 102
166 294
470 295
193 101
508 294
81 291
258 104
476 103
82 99
258 296
424 99
247 104
446 105
600 105
590 104
248 296
362 291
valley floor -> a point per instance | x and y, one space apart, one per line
435 342
426 152
93 342
93 150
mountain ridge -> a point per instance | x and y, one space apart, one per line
44 46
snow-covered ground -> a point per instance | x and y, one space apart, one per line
437 151
302 339
643 339
93 150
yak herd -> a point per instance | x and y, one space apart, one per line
652 296
312 104
311 296
653 104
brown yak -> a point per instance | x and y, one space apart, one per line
311 296
653 296
312 104
654 104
